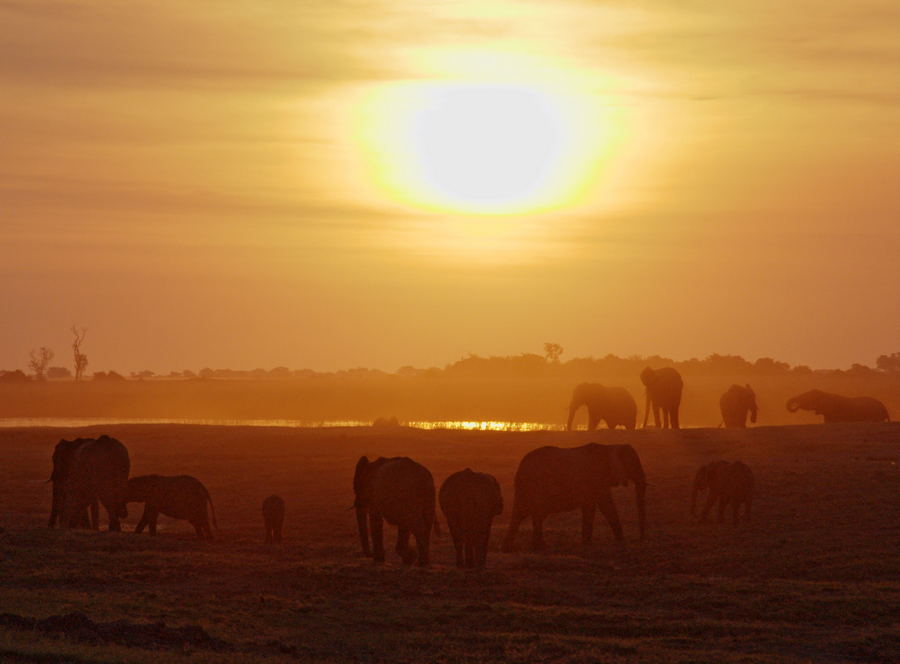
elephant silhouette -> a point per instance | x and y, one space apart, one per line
664 388
837 408
735 404
615 405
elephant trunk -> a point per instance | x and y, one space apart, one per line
362 522
573 408
640 491
793 405
647 408
753 415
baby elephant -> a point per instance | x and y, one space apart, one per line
273 515
180 497
470 501
728 484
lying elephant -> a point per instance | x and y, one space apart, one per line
615 405
180 497
470 501
837 408
727 484
87 471
735 404
273 516
553 479
400 491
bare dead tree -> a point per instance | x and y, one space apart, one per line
40 360
81 360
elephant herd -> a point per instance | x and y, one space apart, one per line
89 472
664 386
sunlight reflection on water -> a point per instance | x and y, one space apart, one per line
465 425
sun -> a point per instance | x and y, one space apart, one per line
478 147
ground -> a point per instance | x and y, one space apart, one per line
814 578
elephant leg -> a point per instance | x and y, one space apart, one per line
422 534
587 523
723 503
269 533
94 515
470 549
735 507
593 421
665 418
457 535
537 532
509 539
710 501
608 510
407 555
676 422
749 502
484 542
145 519
377 528
277 534
656 415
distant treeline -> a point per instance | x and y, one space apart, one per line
525 364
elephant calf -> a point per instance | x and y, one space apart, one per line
470 501
727 484
400 491
180 497
273 515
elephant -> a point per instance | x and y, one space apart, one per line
470 501
735 404
62 462
550 480
273 515
86 471
727 484
663 392
837 408
613 404
400 491
179 496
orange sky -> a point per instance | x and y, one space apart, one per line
200 183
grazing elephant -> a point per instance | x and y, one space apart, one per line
553 479
836 408
470 501
663 392
273 515
613 404
728 484
735 404
96 470
179 496
62 464
400 491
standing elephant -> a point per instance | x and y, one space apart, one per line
553 479
663 392
179 496
836 408
400 491
62 464
613 404
735 404
727 484
470 501
97 470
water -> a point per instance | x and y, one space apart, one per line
465 425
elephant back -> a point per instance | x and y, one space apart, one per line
101 462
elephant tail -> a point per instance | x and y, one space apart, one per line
212 510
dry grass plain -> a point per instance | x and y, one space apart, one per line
814 578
